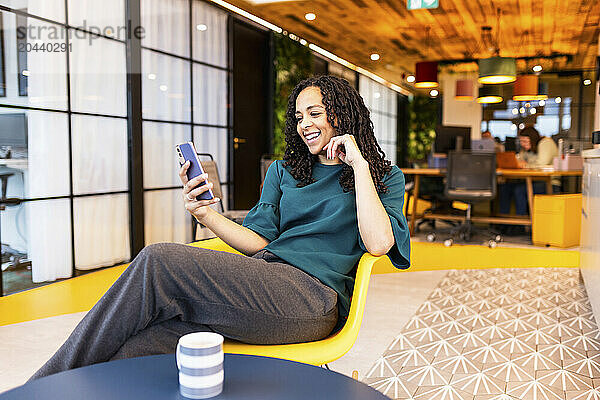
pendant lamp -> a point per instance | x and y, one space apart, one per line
464 90
489 95
426 74
496 70
527 88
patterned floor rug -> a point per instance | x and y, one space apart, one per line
497 334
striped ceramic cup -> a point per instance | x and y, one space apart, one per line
200 363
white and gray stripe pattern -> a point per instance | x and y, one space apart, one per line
200 371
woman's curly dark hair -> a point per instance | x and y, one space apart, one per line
347 114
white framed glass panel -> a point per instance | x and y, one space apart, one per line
165 217
99 148
49 239
213 141
166 26
364 88
161 164
106 17
210 96
165 87
101 226
46 158
392 102
98 76
209 34
390 152
392 134
383 103
385 132
49 9
376 118
377 100
35 78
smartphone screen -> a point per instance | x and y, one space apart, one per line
187 152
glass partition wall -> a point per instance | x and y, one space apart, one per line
382 102
64 142
184 98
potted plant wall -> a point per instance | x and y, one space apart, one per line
293 63
423 118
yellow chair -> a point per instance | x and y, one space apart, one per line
322 351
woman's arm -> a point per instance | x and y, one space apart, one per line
373 221
547 150
240 238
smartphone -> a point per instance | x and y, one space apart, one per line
187 152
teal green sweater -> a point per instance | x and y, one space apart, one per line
315 227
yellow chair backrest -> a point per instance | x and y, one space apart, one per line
322 351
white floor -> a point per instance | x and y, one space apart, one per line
25 347
392 300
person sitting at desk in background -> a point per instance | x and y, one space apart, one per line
498 147
536 151
333 197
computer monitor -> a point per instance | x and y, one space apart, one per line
445 138
510 143
13 130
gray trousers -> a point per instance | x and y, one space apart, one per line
171 289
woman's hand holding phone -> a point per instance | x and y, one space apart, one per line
198 208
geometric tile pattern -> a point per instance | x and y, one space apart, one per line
496 334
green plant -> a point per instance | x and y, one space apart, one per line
293 63
421 127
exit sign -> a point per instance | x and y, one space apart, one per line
417 4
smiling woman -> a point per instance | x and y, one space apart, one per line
313 126
300 244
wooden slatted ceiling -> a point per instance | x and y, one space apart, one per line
353 29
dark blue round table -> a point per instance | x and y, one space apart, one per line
155 377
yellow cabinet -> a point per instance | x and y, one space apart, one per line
556 220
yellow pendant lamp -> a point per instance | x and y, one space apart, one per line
527 89
489 95
495 70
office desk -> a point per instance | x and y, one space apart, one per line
155 378
528 174
16 163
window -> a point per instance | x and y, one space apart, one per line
184 98
63 148
382 102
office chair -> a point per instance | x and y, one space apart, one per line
471 177
322 351
432 190
431 197
210 167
